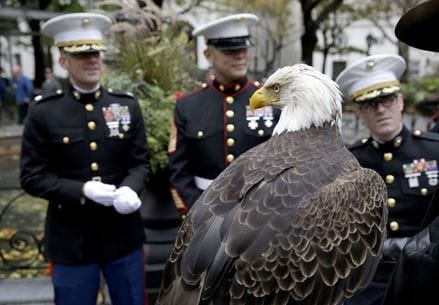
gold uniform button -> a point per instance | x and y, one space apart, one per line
237 87
390 179
257 84
398 141
203 85
230 127
93 145
417 132
261 132
121 136
66 140
394 226
388 156
91 125
77 95
230 142
221 87
230 158
230 113
364 140
94 166
89 107
424 191
391 202
230 100
200 134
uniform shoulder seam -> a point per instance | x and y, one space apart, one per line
120 93
40 99
358 143
426 135
194 91
255 83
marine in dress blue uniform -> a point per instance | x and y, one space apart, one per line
407 161
86 153
213 124
416 274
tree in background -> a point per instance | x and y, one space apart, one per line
41 54
314 12
276 21
383 15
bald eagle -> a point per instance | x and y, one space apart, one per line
294 220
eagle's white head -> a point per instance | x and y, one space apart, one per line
306 97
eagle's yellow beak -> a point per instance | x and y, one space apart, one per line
261 98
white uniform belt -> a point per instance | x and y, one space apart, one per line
202 183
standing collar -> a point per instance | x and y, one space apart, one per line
229 88
393 144
90 96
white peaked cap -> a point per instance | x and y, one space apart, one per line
372 76
78 32
229 32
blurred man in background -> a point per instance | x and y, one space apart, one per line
23 91
50 85
3 96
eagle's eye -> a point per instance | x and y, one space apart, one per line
276 88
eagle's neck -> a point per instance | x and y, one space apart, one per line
301 118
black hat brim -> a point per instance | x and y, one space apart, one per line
231 43
416 26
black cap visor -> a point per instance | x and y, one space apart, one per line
230 43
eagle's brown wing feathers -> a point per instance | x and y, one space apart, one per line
281 226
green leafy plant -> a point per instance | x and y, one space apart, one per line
421 95
157 108
150 56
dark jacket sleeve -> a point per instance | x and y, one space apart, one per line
35 177
181 179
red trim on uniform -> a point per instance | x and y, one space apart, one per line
51 268
172 147
181 210
252 82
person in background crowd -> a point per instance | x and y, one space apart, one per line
23 90
214 124
3 96
406 160
416 275
84 150
50 85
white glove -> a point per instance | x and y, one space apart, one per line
126 200
99 192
